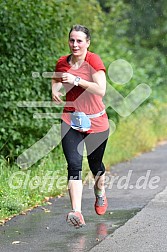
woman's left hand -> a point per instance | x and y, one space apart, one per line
69 78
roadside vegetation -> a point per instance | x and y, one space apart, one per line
33 36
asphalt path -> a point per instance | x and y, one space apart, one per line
136 195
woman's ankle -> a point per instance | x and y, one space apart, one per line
99 192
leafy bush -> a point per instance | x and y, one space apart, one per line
32 38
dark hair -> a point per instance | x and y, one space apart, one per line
82 29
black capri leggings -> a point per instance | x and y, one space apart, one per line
73 146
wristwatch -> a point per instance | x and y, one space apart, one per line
76 81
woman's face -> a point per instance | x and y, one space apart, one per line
78 43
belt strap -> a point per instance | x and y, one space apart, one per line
96 115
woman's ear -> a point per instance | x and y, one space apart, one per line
88 43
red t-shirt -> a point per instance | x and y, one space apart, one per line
78 98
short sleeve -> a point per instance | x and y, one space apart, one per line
58 65
61 65
95 62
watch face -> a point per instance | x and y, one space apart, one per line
76 82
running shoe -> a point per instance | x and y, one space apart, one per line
76 219
101 204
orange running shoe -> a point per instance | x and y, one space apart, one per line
76 219
101 204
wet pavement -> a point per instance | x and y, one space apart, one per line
45 229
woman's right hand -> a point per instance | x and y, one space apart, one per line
56 97
56 94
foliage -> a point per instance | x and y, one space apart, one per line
32 38
34 35
148 23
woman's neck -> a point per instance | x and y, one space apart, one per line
76 62
75 59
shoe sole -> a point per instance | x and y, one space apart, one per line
73 220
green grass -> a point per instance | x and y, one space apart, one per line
23 189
